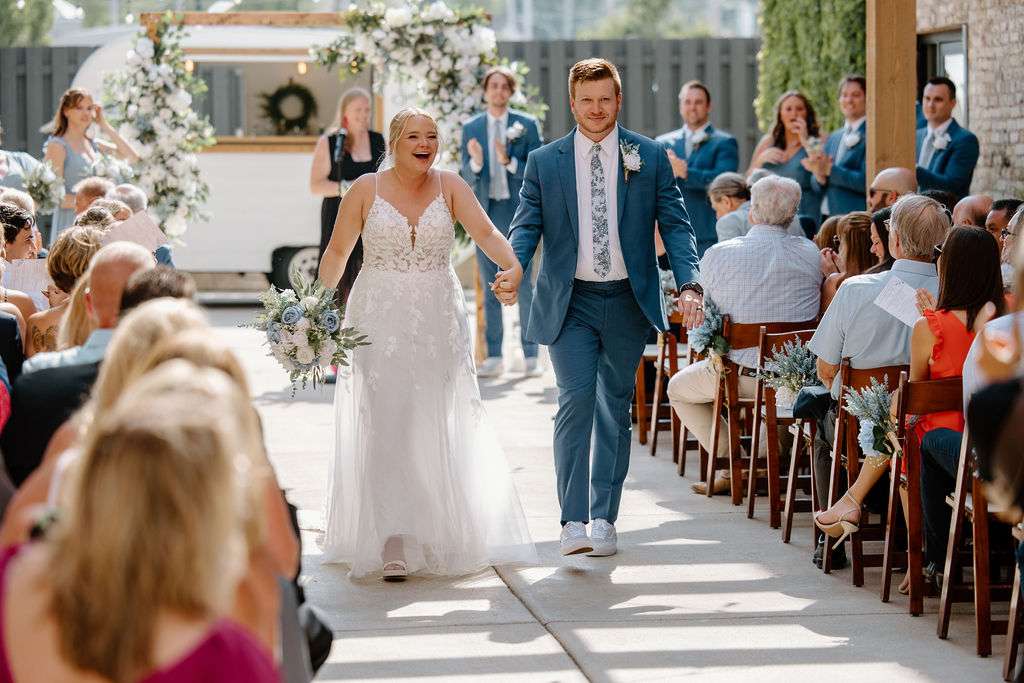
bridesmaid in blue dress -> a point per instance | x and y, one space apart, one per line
72 152
783 151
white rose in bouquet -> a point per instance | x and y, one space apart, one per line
305 355
310 302
146 105
302 326
180 100
397 17
145 48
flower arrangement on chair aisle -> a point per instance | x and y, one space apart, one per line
304 331
708 337
150 102
789 370
872 406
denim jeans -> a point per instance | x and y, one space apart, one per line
940 458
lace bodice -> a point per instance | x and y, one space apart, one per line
387 242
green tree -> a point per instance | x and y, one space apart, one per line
25 22
808 45
646 19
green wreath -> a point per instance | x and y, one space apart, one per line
283 125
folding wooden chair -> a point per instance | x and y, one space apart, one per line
671 345
914 398
971 510
1013 631
768 416
846 448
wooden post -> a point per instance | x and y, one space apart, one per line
892 84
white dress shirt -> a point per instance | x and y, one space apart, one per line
513 163
610 163
763 276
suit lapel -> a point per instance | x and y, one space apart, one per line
567 174
623 186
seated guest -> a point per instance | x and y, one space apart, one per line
999 216
172 559
839 168
972 210
828 235
155 283
729 194
68 260
699 153
118 209
43 399
947 199
75 325
18 228
854 327
96 216
12 348
89 190
792 139
137 201
765 275
880 241
854 256
968 268
24 201
888 186
946 152
1008 242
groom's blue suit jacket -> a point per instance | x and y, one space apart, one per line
548 208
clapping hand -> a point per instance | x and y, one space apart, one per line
771 155
476 151
691 307
506 284
501 151
1000 355
819 164
679 166
925 301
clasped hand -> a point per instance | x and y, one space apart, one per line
506 284
691 307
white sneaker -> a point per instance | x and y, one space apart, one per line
492 367
603 538
574 539
533 369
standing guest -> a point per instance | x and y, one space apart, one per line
793 137
999 216
67 261
889 185
73 152
729 194
493 163
339 158
841 169
765 275
880 240
89 190
854 256
972 210
137 201
172 558
14 166
699 153
946 152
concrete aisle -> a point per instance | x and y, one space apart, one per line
697 591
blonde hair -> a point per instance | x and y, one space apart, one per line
199 348
401 119
347 98
594 69
118 209
75 325
97 216
921 223
70 255
174 543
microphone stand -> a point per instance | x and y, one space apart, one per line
338 147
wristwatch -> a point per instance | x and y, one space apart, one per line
693 287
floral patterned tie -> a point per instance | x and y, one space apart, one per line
599 213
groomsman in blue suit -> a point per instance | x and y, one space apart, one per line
596 197
946 151
495 145
698 154
840 171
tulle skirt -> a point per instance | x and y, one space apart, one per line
414 455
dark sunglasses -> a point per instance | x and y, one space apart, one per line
1004 233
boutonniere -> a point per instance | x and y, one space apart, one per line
699 137
631 161
515 131
941 141
851 139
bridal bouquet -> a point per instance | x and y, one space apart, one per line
872 407
45 187
789 370
113 169
303 328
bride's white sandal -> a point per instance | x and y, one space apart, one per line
396 570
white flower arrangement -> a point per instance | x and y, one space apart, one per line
150 102
631 161
515 131
113 169
45 187
304 330
872 407
439 52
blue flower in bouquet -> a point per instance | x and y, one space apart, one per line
274 333
291 315
330 321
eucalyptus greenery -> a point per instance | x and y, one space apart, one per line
872 407
792 367
708 337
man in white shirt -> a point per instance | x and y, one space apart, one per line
763 276
495 145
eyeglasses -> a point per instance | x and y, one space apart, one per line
936 253
1004 233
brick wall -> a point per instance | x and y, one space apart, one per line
995 73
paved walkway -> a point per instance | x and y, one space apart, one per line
697 591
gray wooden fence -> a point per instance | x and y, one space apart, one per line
652 72
32 79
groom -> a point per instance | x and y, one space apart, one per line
595 197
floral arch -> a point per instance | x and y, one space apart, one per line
436 53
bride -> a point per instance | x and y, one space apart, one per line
418 481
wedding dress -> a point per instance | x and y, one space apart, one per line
414 455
